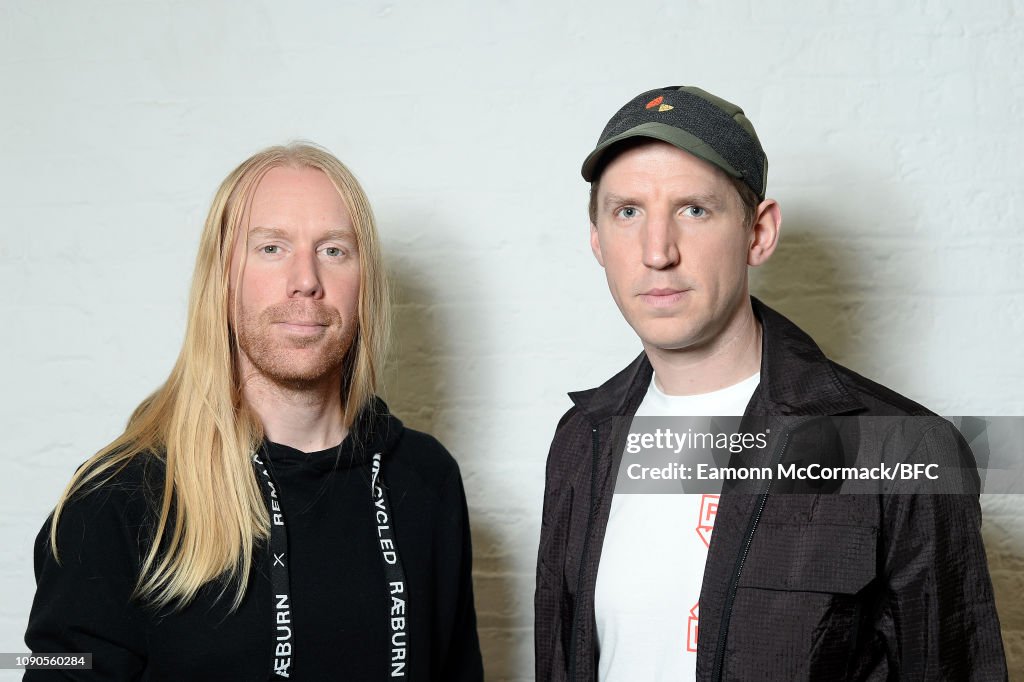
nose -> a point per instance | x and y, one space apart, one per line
660 248
304 276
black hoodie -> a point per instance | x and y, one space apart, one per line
339 598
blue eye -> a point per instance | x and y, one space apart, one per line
270 249
333 251
696 211
628 212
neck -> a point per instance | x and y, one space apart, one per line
306 417
733 355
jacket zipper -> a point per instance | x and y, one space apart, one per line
583 555
723 629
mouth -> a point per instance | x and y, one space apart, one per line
662 297
301 327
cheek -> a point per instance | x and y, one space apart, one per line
257 288
619 278
344 288
720 258
620 261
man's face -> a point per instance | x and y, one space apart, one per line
297 301
671 237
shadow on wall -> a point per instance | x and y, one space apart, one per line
809 280
848 297
414 377
1002 530
845 292
499 604
421 387
828 287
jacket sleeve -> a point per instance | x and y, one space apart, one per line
461 660
549 601
82 603
940 618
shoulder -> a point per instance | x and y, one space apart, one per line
421 458
573 430
111 515
570 449
876 398
107 483
915 434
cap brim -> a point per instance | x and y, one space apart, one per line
665 133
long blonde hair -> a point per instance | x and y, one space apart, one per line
211 512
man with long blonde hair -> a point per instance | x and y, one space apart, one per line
263 514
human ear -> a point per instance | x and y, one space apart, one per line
764 234
595 244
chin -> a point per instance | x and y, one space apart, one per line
669 344
667 334
298 369
301 377
668 341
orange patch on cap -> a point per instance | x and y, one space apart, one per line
655 102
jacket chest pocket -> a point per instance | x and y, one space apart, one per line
812 557
800 600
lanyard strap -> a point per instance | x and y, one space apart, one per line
284 638
394 574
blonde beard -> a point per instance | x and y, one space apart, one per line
275 359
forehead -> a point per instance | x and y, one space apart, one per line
288 196
658 167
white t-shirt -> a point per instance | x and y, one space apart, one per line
652 562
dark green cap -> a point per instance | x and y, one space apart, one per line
693 120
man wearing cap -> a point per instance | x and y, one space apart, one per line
778 586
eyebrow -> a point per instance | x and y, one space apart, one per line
709 199
277 233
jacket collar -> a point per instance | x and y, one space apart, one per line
796 377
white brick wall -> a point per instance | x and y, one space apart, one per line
893 131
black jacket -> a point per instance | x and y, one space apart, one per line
339 597
796 586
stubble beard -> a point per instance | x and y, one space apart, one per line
291 361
